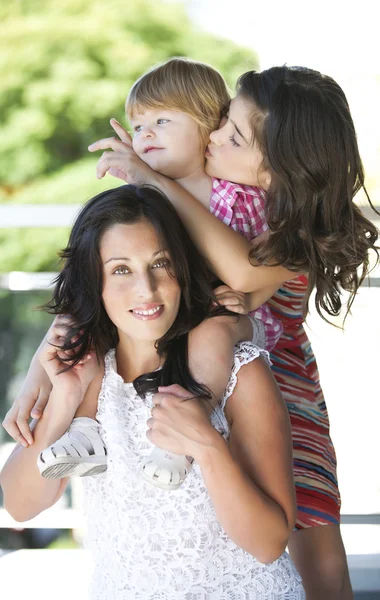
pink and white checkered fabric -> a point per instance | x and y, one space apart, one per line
242 207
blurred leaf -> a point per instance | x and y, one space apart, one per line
73 184
33 249
65 68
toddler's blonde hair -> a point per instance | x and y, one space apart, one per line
186 85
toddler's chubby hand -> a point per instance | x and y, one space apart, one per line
120 160
231 299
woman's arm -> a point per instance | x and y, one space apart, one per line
211 350
26 493
258 509
250 480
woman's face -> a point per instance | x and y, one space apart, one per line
233 153
140 296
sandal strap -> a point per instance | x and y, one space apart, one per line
91 433
168 467
72 442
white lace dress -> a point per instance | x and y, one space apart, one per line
151 544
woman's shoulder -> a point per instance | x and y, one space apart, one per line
244 354
110 361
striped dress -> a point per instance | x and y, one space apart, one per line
240 207
294 367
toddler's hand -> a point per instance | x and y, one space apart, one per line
231 299
123 161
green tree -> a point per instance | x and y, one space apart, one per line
65 69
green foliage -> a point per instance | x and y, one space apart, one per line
33 249
61 187
65 69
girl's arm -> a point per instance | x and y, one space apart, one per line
30 401
226 251
34 394
250 480
256 299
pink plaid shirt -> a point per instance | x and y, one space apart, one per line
243 208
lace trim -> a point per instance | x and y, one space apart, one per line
112 382
245 352
151 544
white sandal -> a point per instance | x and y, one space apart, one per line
165 469
80 451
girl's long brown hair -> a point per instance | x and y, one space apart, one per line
302 122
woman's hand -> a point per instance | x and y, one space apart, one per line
232 300
54 361
123 161
180 423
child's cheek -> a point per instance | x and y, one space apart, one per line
137 147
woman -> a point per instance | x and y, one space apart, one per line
135 286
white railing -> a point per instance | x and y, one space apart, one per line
37 215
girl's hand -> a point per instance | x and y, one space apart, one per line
123 161
30 401
180 423
234 301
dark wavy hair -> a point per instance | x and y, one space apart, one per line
303 126
79 285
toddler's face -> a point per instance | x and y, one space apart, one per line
168 141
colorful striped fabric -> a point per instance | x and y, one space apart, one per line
294 367
296 372
243 208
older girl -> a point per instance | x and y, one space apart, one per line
290 132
